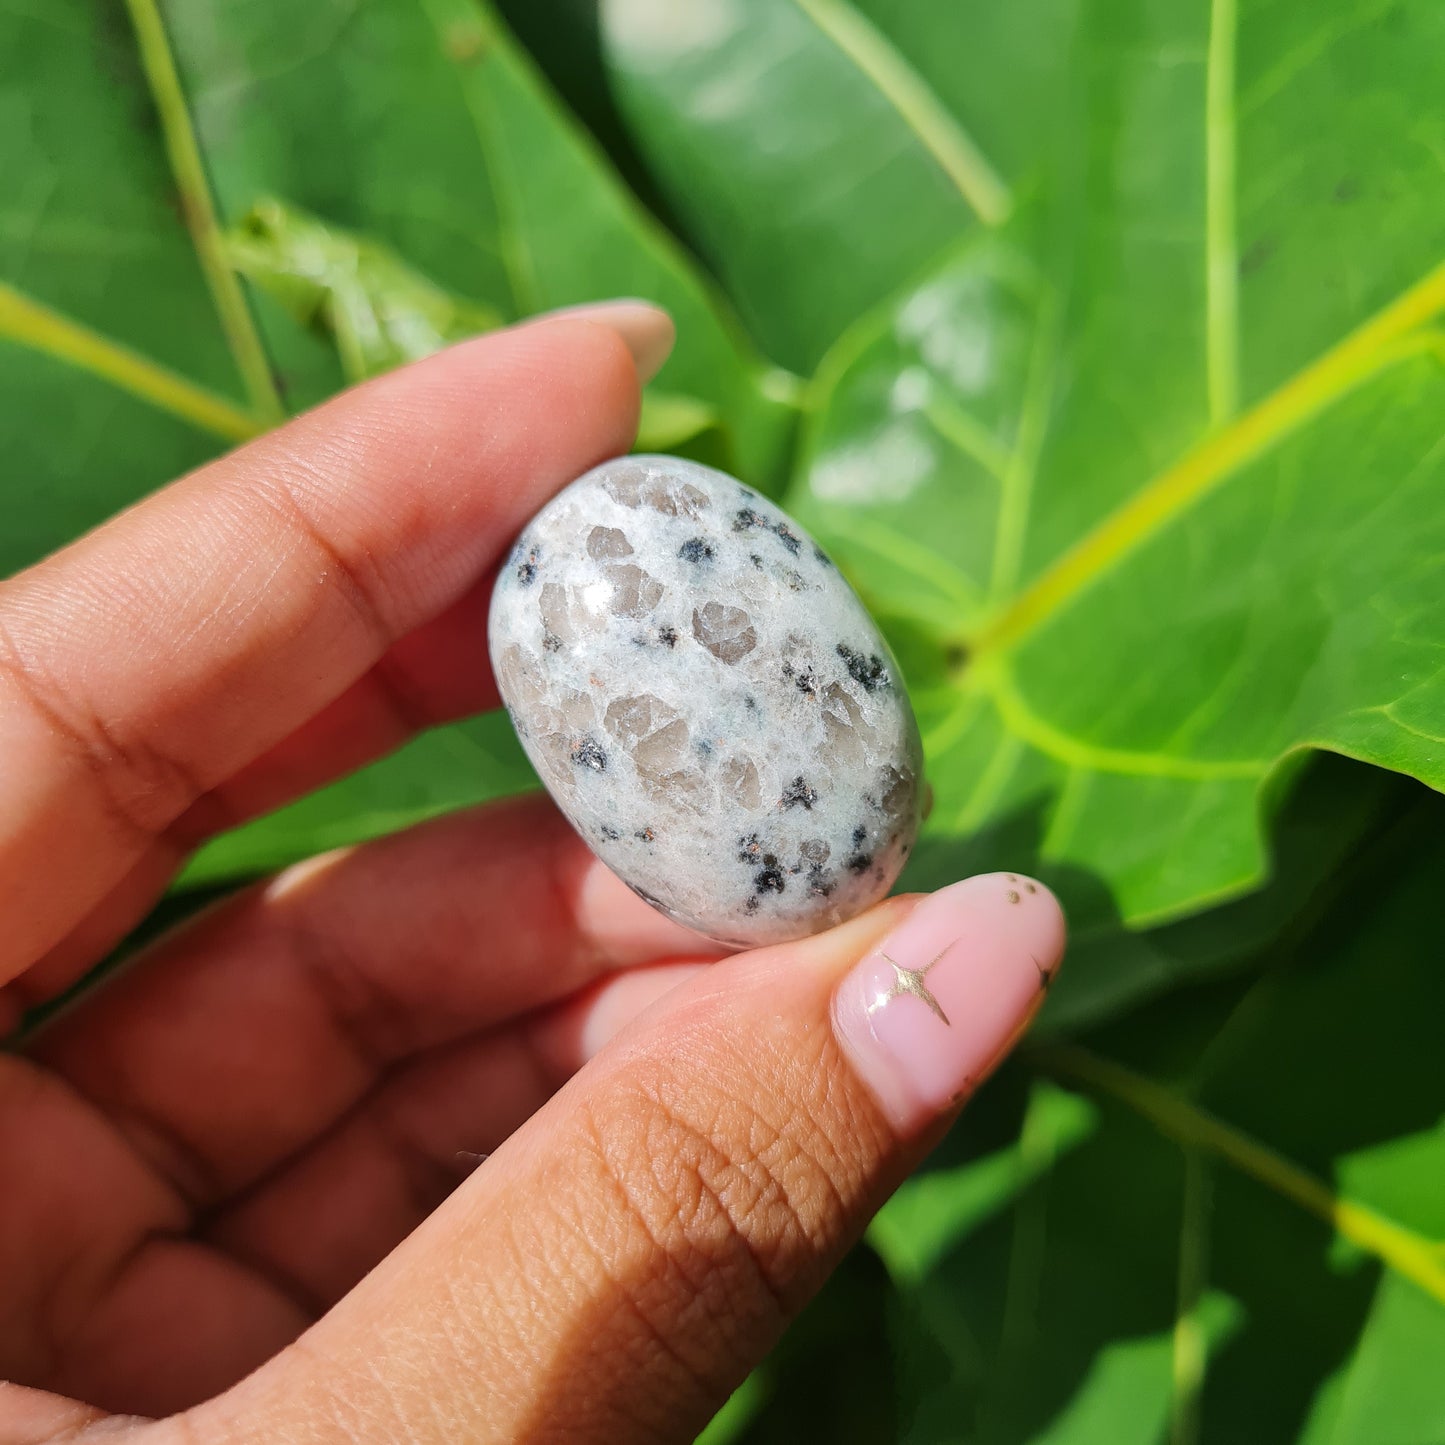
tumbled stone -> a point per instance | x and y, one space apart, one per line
708 701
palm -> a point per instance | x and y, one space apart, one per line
213 1148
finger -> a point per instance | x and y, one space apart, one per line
236 1040
150 661
617 1266
320 1222
434 675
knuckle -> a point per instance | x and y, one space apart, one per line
351 572
140 785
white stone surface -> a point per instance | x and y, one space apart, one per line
708 701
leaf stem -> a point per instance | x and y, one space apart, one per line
1038 1151
1189 1344
1021 474
909 94
200 211
32 324
1412 1255
475 32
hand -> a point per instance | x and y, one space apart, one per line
249 1156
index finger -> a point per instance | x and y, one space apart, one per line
149 661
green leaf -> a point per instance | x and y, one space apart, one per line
88 230
442 770
1281 1276
815 163
1328 822
1163 531
431 135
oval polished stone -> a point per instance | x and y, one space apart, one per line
708 701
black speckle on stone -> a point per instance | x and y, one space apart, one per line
667 636
695 550
526 556
751 906
869 672
822 556
860 863
806 680
819 884
704 747
645 835
587 753
756 560
859 834
745 519
551 642
788 537
794 579
609 832
798 794
769 878
751 703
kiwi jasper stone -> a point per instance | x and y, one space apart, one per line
708 701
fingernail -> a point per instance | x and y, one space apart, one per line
647 330
929 1012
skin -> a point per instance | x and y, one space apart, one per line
238 1186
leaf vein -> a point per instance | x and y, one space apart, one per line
996 680
1377 344
1221 245
32 324
199 208
1405 1250
917 104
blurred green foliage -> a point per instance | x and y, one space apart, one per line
1100 341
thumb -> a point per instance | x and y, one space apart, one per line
615 1269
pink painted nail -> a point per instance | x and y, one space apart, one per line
929 1013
